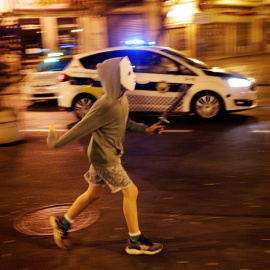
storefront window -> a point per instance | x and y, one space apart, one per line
210 40
67 35
242 38
126 27
177 38
10 43
31 38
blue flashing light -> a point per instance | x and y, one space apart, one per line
135 42
56 54
51 60
67 45
139 42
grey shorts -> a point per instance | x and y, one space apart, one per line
114 176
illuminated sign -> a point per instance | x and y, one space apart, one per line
40 4
202 18
30 26
181 14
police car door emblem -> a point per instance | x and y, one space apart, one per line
162 87
189 79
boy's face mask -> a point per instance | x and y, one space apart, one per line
127 76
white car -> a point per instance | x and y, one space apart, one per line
159 73
42 84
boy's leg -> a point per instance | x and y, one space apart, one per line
137 243
60 226
130 195
83 201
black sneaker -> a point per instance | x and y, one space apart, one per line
143 246
60 234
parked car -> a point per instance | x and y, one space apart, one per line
159 73
42 83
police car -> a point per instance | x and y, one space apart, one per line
159 73
42 82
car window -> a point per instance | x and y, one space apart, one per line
155 63
53 66
150 62
191 61
183 70
142 61
91 61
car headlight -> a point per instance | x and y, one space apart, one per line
237 82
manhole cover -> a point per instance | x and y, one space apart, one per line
36 222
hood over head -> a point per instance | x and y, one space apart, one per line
109 74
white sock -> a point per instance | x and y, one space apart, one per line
135 234
68 219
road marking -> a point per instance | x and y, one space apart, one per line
42 130
260 131
165 131
177 130
64 130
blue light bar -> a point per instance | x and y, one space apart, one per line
135 42
139 42
51 60
55 54
66 45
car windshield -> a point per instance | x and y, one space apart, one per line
57 65
191 61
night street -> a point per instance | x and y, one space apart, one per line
201 67
204 194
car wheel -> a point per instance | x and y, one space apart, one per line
82 105
207 105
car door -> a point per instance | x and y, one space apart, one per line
158 78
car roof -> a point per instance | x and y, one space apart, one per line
147 48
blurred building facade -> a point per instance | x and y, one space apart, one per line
200 28
218 28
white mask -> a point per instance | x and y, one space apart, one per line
127 76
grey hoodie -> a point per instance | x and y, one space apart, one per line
107 120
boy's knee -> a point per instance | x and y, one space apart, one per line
131 191
94 193
95 196
135 191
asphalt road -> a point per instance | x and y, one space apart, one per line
204 193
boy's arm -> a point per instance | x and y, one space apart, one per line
140 127
135 127
91 122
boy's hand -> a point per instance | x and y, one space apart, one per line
52 136
155 129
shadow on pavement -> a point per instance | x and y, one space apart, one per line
43 106
193 122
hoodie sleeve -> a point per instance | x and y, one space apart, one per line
136 127
91 122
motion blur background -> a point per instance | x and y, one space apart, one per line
207 29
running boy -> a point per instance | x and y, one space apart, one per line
107 121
